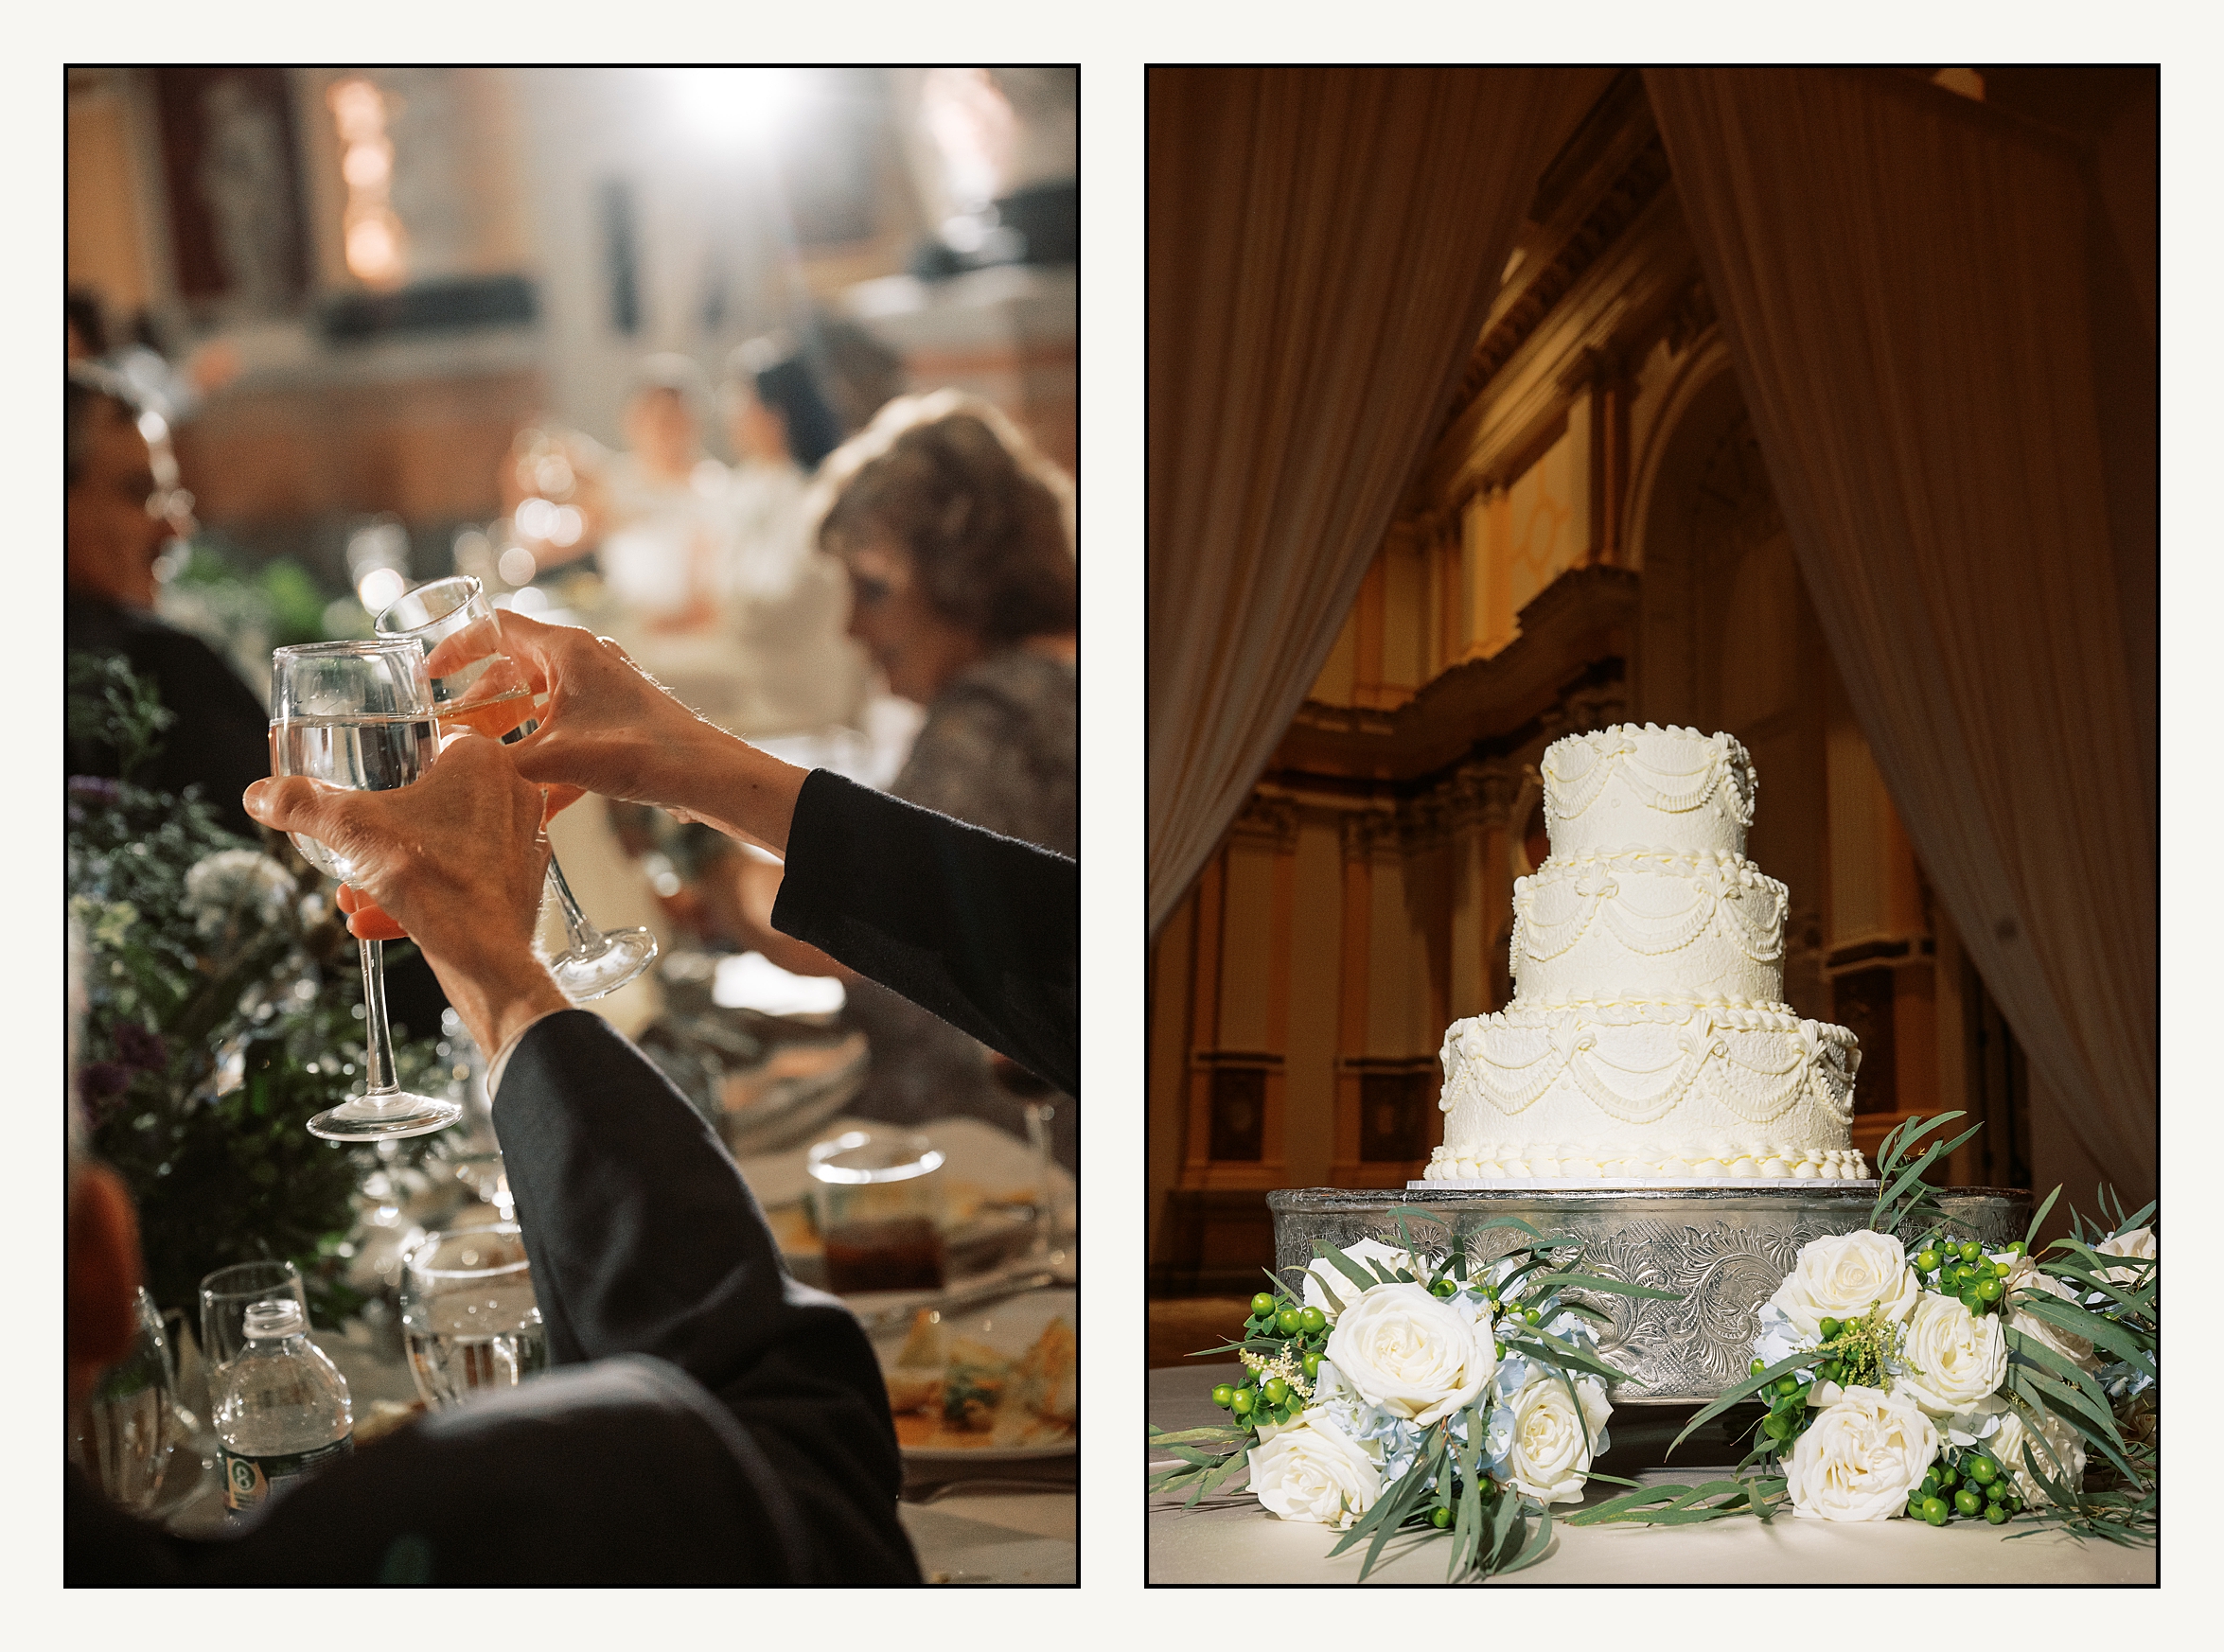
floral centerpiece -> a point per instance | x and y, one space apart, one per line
1942 1379
1422 1392
211 1028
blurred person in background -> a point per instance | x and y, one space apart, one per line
958 538
785 601
664 520
170 388
122 508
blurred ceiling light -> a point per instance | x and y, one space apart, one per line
567 526
373 234
532 600
517 566
972 127
380 590
737 108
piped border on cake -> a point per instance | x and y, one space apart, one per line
1727 1159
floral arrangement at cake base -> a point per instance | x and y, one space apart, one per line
1425 1393
1938 1380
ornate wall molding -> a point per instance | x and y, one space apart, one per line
1267 819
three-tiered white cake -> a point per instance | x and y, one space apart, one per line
1647 1039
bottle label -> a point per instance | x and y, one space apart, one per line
248 1480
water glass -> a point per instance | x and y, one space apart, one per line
226 1297
122 1436
877 1199
468 1316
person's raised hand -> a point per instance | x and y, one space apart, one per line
606 725
456 861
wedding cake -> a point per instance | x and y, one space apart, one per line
1647 1039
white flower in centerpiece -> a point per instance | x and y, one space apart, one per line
1860 1458
1551 1443
2138 1245
1777 1339
2066 1466
1312 1470
1843 1277
1329 1288
1415 1356
1393 1441
1954 1358
2024 1274
236 885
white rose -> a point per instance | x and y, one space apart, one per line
2139 1245
1413 1355
1858 1459
1327 1285
1956 1358
2024 1274
2066 1467
1843 1277
1551 1447
1312 1470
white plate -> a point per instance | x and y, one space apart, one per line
1010 1326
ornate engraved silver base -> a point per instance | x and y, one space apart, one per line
1725 1248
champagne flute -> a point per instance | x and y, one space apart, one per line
478 687
359 715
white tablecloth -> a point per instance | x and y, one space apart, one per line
1229 1538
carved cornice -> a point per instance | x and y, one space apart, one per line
1613 212
1268 819
1368 832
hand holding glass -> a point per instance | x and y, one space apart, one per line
476 686
359 715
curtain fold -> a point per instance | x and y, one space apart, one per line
1324 244
1902 279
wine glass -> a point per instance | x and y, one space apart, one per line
482 689
359 715
469 1315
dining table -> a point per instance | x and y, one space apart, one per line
1227 1538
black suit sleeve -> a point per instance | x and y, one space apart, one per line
646 1241
982 930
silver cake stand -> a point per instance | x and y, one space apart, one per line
1724 1246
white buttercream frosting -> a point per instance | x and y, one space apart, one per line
1646 1037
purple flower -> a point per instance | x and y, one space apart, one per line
137 1047
102 1079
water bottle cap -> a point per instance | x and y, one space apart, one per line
280 1318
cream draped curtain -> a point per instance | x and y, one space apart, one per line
1904 281
1324 244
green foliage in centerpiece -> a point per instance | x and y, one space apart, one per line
222 1008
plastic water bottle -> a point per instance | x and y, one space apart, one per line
282 1409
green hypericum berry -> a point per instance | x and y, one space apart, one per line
1968 1501
1241 1403
1997 1491
1787 1385
1928 1261
1831 1328
1276 1391
1995 1515
1223 1395
1776 1425
1501 1349
1261 1305
2016 1247
1311 1364
1312 1320
1970 1250
1984 1471
1530 1315
1991 1290
1756 1368
1934 1510
1288 1320
1949 1476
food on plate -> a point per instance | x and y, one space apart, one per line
954 1393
